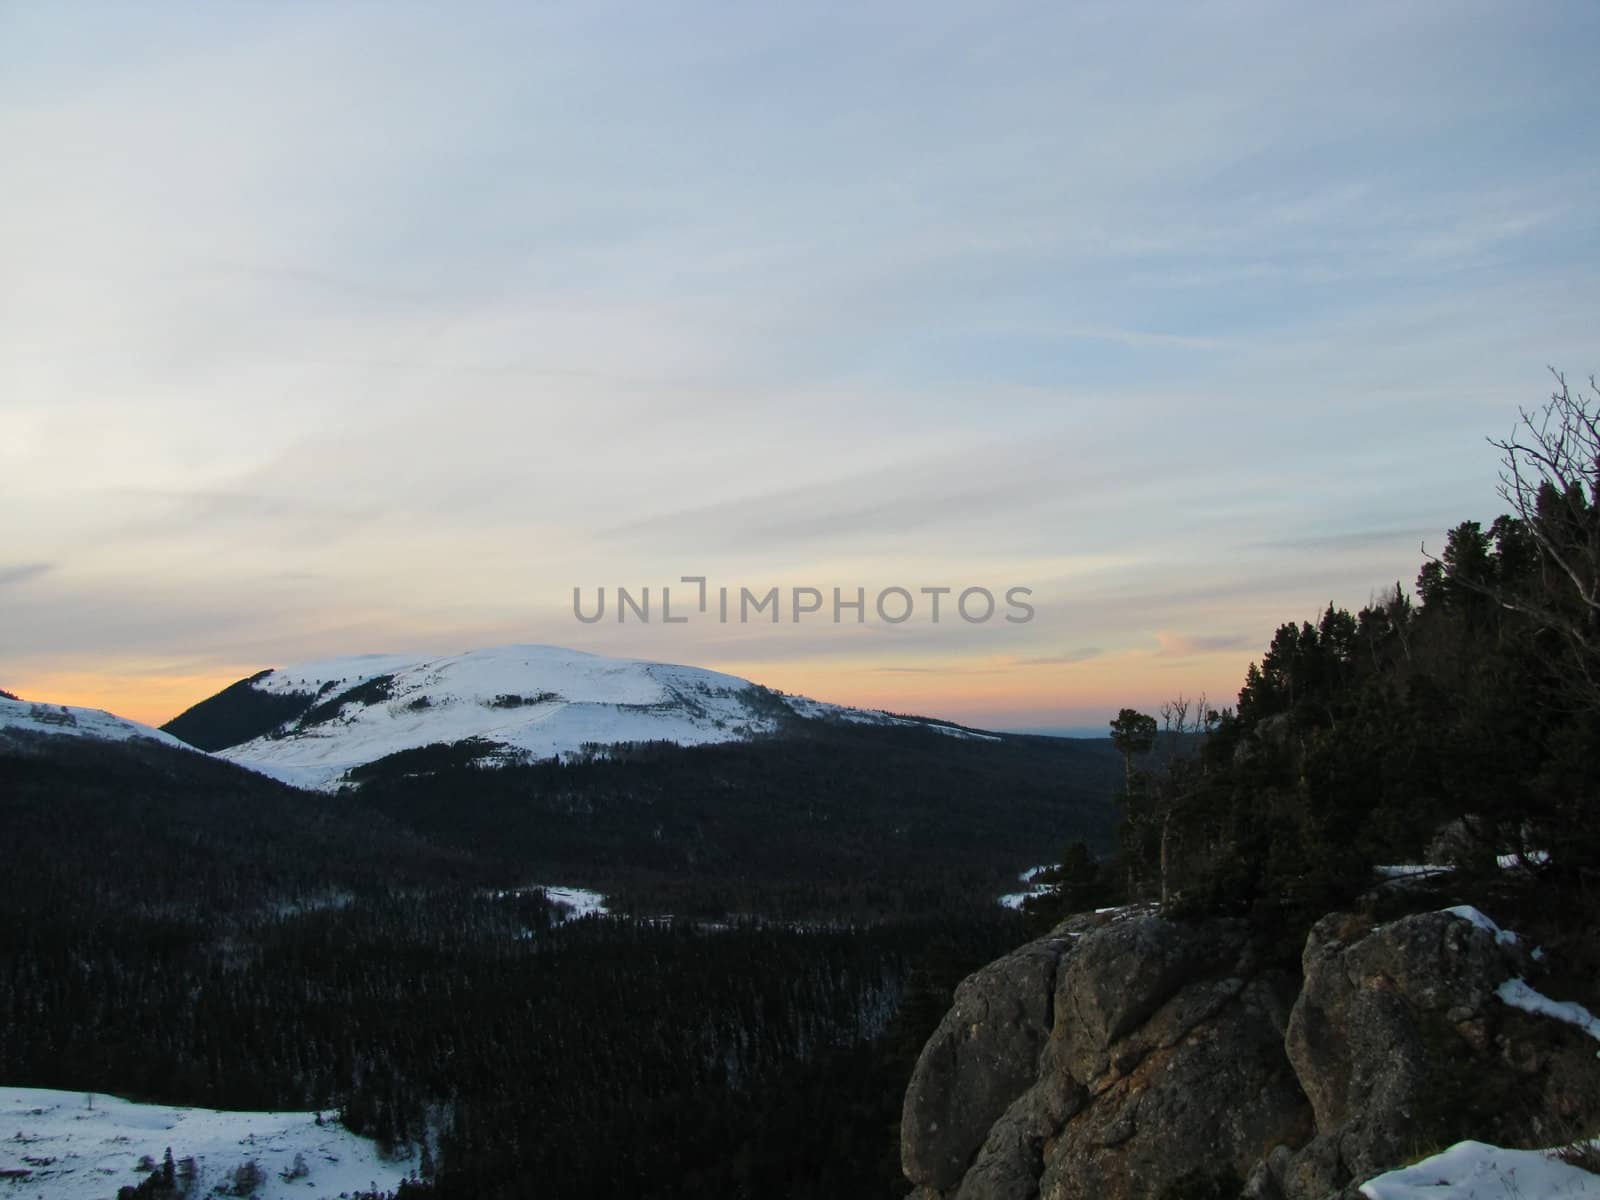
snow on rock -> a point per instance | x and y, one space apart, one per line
1479 1171
1518 994
535 701
56 1146
1410 870
1506 862
1532 858
62 720
1484 922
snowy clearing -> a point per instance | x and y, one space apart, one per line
580 901
1015 899
1478 1171
56 1147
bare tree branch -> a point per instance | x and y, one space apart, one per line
1550 478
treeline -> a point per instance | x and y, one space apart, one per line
829 821
92 826
1459 722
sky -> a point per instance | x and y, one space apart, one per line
340 328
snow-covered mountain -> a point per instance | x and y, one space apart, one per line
62 720
310 724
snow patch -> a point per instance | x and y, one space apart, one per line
580 901
1533 858
1410 870
803 706
1479 1171
57 1147
1518 994
64 721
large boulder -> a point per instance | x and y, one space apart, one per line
1154 1048
1371 1007
1401 1043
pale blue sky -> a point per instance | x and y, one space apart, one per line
337 327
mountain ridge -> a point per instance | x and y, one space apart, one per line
314 723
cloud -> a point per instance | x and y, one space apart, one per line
15 573
940 492
1355 539
1176 645
902 670
1071 656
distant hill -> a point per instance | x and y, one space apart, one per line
314 723
61 720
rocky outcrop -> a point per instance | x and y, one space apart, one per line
1157 1049
1128 1056
982 1057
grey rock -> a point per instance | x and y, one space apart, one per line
1211 1096
1114 979
1401 1043
982 1057
1012 1157
1265 1181
1365 1033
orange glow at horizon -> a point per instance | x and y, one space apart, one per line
999 692
151 699
977 690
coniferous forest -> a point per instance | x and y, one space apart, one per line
791 917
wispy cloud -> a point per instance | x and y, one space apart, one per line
15 573
1354 539
296 358
1178 645
1049 660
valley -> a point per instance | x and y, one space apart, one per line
461 948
